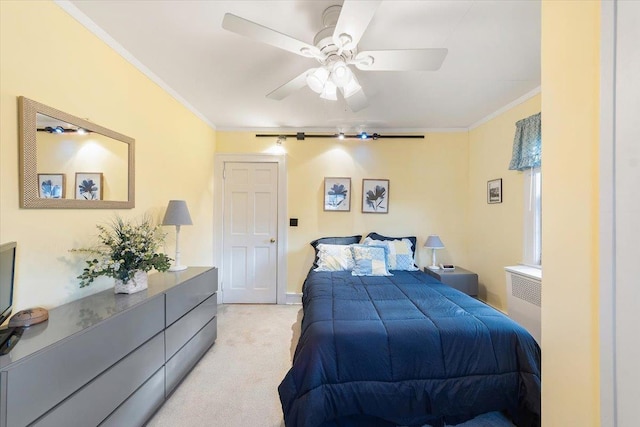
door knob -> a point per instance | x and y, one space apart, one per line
272 240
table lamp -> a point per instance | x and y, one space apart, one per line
433 242
177 214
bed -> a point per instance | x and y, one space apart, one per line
405 350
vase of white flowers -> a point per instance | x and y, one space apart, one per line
126 252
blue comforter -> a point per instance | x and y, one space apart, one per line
405 350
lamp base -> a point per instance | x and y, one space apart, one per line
177 267
433 267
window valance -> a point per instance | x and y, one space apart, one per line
527 143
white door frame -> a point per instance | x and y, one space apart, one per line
608 404
618 238
218 210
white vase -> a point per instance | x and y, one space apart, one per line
137 283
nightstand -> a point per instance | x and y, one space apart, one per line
463 280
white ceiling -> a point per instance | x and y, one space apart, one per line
493 59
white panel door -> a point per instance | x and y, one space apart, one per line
250 228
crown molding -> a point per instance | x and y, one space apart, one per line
507 107
90 25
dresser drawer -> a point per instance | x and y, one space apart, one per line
141 405
182 362
187 295
37 384
181 331
94 402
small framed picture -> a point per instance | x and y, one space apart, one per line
337 194
375 196
494 191
51 185
89 185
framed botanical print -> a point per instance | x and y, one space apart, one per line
89 185
375 196
337 194
51 185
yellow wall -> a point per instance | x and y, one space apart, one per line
428 191
496 230
570 110
47 56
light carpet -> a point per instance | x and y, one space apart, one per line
236 383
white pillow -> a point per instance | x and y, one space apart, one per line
334 258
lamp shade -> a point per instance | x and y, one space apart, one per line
177 213
433 242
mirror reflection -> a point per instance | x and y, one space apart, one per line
68 162
83 157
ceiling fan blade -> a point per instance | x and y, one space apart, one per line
260 33
400 60
357 101
288 88
354 20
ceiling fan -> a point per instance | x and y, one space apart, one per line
335 47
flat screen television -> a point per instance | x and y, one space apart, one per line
7 275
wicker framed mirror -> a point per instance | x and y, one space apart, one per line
54 143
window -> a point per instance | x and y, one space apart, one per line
532 254
526 157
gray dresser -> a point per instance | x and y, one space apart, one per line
107 359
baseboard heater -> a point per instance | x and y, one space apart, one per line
524 297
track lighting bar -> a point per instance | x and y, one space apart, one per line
300 136
60 129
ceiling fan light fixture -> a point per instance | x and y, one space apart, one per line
335 47
341 75
317 78
352 87
329 92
